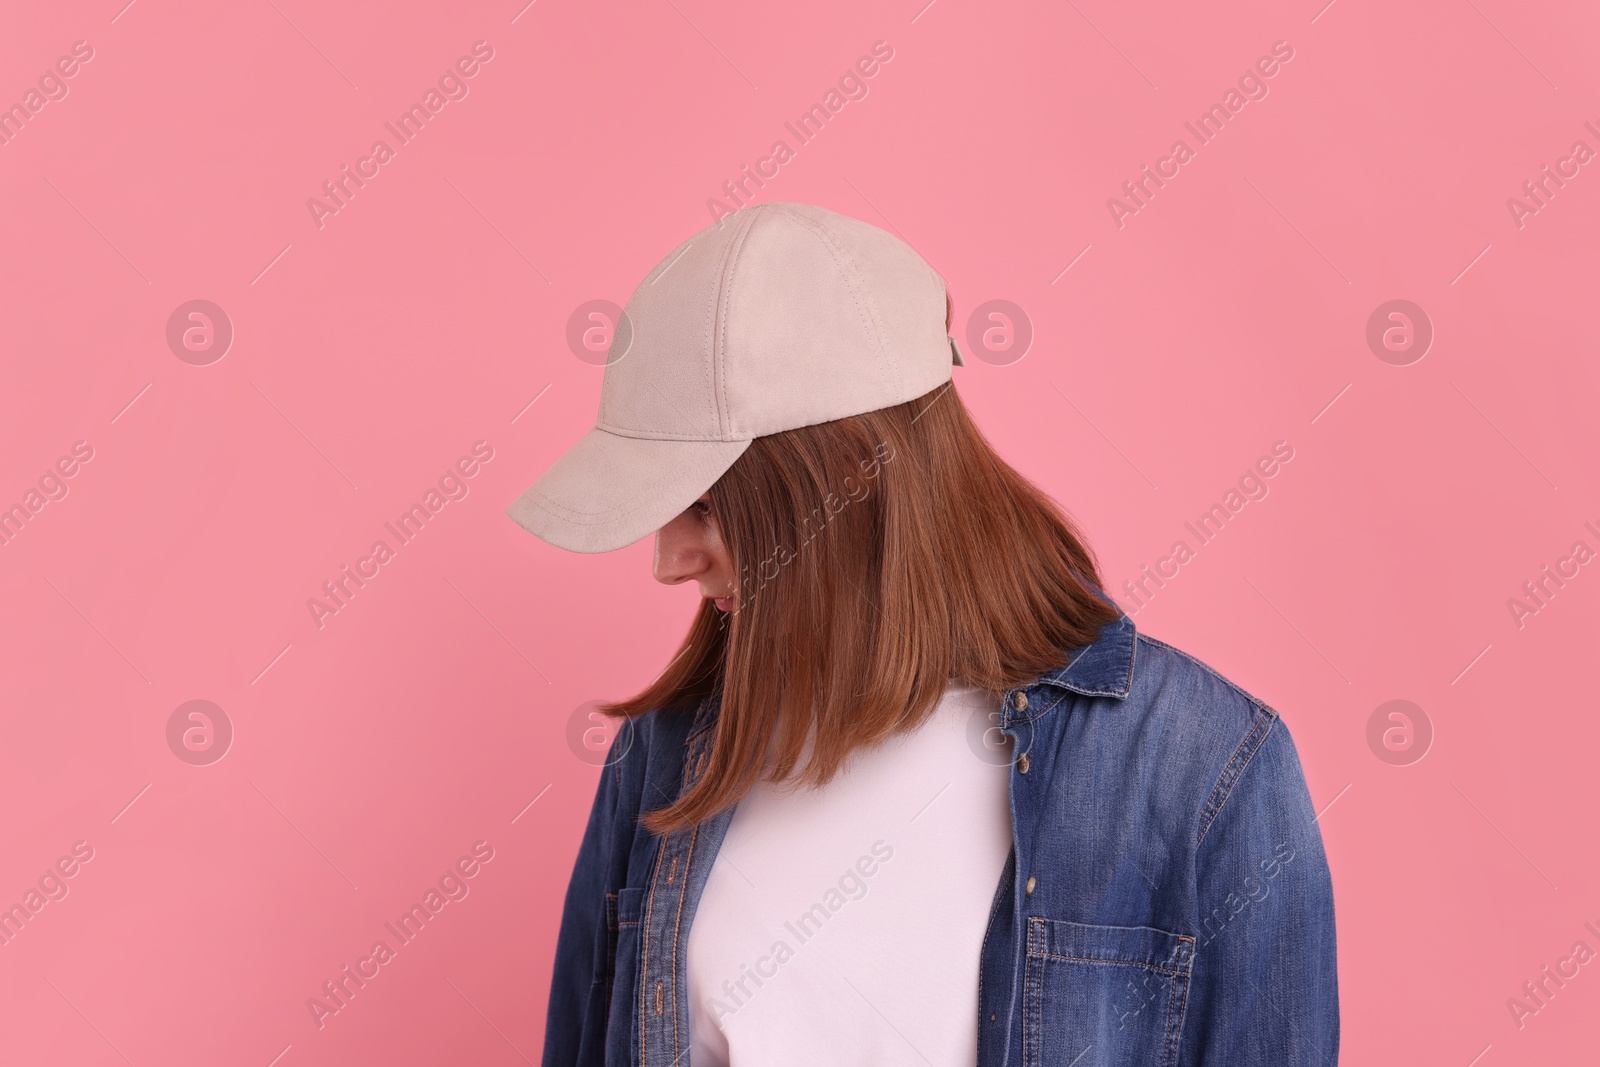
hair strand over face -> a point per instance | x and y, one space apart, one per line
879 558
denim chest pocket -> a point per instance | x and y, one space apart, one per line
622 968
1112 996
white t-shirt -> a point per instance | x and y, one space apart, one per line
843 925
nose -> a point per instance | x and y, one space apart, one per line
678 558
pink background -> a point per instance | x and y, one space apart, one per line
369 354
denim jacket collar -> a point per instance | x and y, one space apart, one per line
1102 668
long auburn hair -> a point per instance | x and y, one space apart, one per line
879 558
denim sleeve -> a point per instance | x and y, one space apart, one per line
575 1023
1264 987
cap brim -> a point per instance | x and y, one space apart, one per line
609 491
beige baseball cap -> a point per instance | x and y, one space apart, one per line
778 316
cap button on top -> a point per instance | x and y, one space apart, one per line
1019 700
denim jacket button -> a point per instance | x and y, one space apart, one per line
1022 763
1019 700
1031 883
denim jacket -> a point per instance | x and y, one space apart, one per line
1166 900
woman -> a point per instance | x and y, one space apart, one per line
913 791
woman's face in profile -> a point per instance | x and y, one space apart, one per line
690 548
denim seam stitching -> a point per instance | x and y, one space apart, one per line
644 957
1260 729
1035 714
1120 963
690 745
701 722
676 938
1032 1020
1175 1011
1127 682
1171 1034
1234 686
